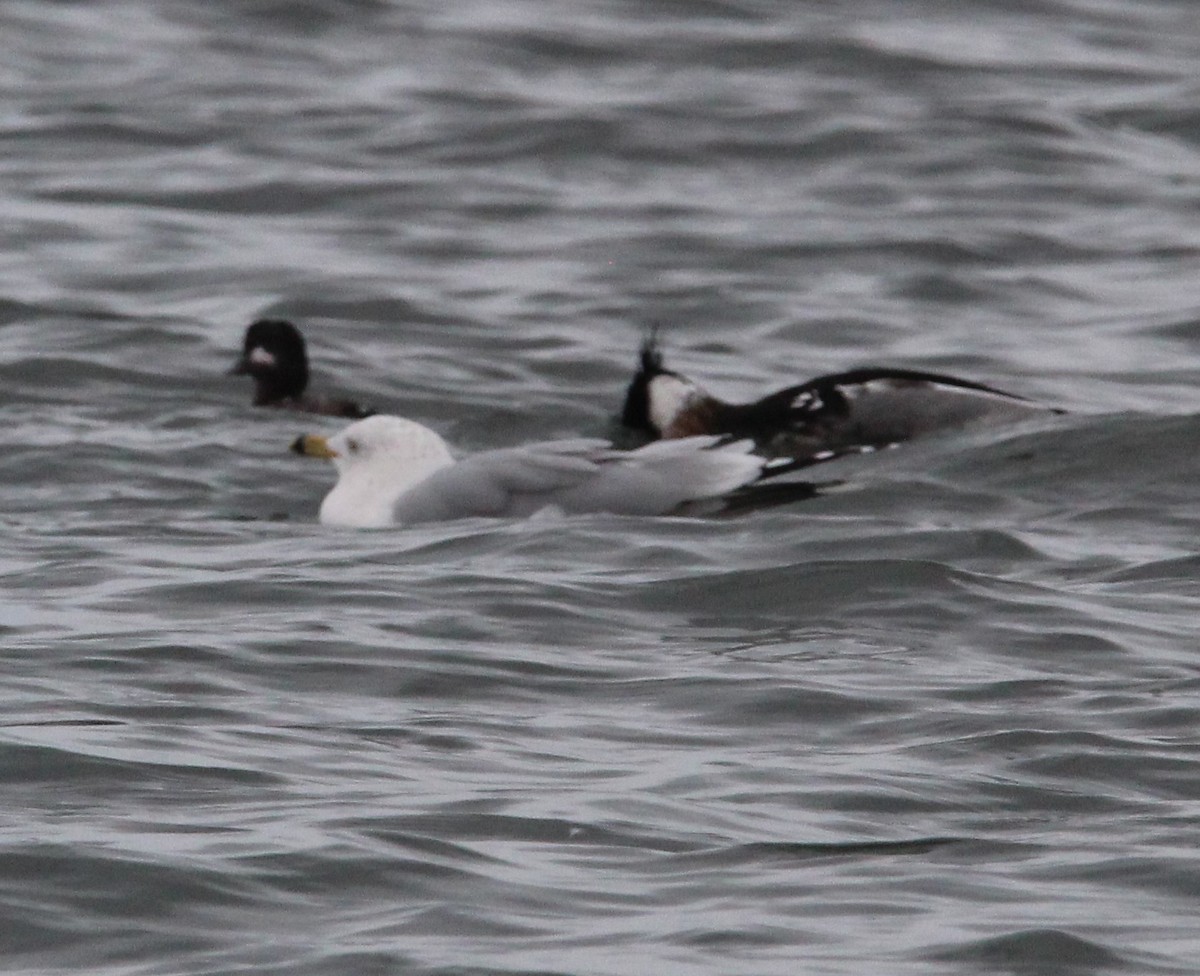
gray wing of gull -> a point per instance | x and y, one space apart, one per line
581 476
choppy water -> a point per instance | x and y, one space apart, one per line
942 720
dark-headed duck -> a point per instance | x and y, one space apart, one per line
273 355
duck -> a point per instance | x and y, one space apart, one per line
861 409
274 356
395 471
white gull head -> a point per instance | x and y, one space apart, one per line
378 459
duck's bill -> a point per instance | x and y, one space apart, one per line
313 445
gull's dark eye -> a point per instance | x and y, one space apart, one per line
352 444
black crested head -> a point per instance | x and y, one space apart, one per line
636 412
273 354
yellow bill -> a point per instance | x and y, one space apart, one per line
313 445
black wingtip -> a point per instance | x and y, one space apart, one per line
759 496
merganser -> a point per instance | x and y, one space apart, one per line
862 408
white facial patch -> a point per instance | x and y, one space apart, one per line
667 397
260 357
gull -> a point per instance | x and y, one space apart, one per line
394 471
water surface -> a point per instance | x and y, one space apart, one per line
941 720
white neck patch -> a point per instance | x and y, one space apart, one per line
667 397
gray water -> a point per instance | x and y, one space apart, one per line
941 720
